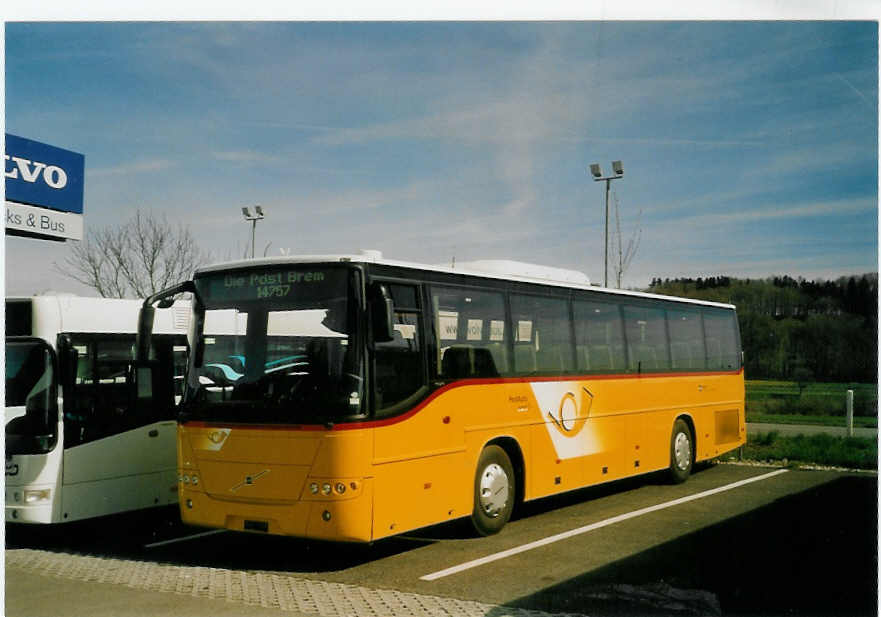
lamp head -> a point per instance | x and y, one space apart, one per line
617 168
595 170
259 210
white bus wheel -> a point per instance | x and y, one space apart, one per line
494 491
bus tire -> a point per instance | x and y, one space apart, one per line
681 452
494 491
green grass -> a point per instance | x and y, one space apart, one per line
817 400
858 421
850 452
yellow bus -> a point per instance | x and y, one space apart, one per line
351 397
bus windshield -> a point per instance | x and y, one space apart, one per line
31 421
276 345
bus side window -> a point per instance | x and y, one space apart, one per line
720 327
471 337
686 339
399 368
180 355
599 337
542 334
79 397
112 396
646 331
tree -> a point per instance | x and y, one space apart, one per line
625 250
135 259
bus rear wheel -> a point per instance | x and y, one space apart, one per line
494 491
681 452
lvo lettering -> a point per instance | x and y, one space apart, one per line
29 171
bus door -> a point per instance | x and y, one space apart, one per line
118 454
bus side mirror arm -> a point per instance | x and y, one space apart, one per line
165 299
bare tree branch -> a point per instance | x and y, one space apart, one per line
135 259
626 250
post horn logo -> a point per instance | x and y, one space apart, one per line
217 437
571 417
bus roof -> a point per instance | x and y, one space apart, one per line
71 313
491 269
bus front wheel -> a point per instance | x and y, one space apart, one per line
494 491
681 452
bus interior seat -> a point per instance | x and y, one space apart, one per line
484 363
646 357
601 356
714 353
681 355
464 361
524 358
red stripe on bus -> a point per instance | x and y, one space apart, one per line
461 383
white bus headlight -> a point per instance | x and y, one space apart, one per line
325 488
37 495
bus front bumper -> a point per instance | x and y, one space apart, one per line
343 520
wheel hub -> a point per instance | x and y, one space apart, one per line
682 451
493 490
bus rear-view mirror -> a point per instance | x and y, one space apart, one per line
382 312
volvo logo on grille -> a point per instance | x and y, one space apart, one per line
248 481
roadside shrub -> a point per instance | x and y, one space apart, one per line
765 439
852 452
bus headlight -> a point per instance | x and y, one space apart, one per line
340 488
34 496
325 488
313 488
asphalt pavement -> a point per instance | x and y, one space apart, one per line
733 540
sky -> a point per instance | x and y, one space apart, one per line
750 149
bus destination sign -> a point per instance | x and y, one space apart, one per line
259 285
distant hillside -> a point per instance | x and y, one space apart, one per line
795 328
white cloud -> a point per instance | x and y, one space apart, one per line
137 167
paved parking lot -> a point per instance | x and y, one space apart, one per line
732 540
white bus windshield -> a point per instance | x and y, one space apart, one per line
276 346
31 416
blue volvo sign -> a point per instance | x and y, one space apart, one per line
38 174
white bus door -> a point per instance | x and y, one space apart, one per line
117 456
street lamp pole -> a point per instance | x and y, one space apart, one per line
597 174
257 217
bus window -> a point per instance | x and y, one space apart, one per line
646 331
721 332
542 334
100 403
599 337
399 366
686 339
471 338
31 415
180 356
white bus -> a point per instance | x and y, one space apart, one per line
79 442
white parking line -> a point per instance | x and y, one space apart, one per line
184 538
609 521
